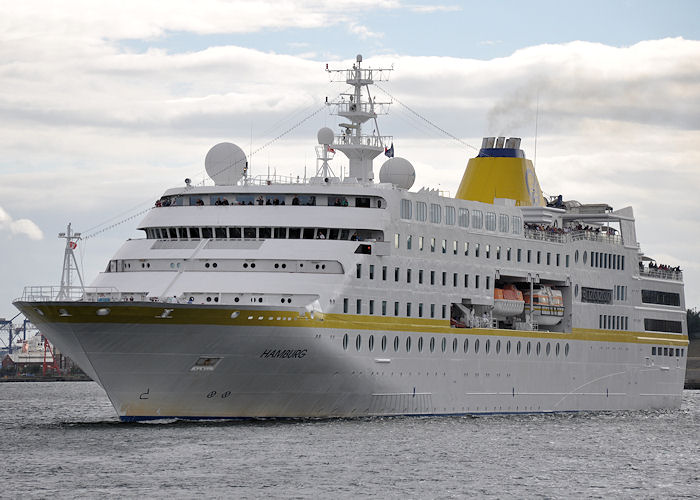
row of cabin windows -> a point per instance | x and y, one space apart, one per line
662 325
461 217
422 244
662 298
602 260
454 279
385 308
252 233
432 345
620 292
667 351
272 199
613 322
606 260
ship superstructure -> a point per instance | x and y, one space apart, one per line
341 296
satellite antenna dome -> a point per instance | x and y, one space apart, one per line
399 172
225 164
325 136
359 57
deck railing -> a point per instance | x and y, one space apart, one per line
662 274
72 293
560 236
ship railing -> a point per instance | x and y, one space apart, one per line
535 234
375 141
662 274
70 294
601 236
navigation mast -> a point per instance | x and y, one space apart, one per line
361 149
70 265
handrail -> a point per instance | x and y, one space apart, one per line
662 273
562 236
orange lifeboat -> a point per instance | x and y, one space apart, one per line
507 301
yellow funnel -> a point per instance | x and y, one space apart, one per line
501 172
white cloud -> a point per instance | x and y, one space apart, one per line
20 226
430 9
363 32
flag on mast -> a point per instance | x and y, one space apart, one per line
389 151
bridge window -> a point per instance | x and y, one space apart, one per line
406 209
463 217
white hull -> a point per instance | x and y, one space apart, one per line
301 369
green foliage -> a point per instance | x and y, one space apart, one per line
694 323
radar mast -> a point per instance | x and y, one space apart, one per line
361 149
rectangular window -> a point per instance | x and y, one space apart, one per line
406 209
432 310
444 246
490 221
397 240
432 277
371 307
508 253
420 276
488 250
420 243
463 219
421 211
529 256
420 310
396 274
384 273
455 244
432 244
435 213
408 309
444 278
409 241
476 281
359 271
396 308
539 256
503 223
345 305
622 263
476 249
517 224
466 248
498 252
558 260
466 281
444 311
662 298
549 258
408 275
383 307
566 260
488 282
371 271
450 215
477 219
358 306
455 280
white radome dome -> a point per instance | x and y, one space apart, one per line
225 164
325 136
399 172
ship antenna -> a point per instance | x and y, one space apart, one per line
70 265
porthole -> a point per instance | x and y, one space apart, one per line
178 265
191 299
556 350
208 299
408 344
518 347
206 265
420 344
289 301
538 348
443 344
216 299
284 266
370 343
253 265
454 344
213 265
235 314
236 299
143 265
476 345
498 346
103 311
245 265
432 344
282 300
466 346
358 342
508 347
317 266
277 266
527 349
566 350
323 266
148 265
345 341
396 344
383 343
576 256
172 265
487 347
547 349
259 299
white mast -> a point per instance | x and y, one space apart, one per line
70 265
360 149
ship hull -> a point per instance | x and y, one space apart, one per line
199 362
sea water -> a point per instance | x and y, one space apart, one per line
64 440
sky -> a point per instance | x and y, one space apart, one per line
104 105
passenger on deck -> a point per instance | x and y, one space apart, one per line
200 203
224 202
260 200
354 237
295 200
268 202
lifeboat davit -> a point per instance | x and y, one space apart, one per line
547 306
507 301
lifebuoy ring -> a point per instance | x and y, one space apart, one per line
73 245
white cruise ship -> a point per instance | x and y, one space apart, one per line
343 296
